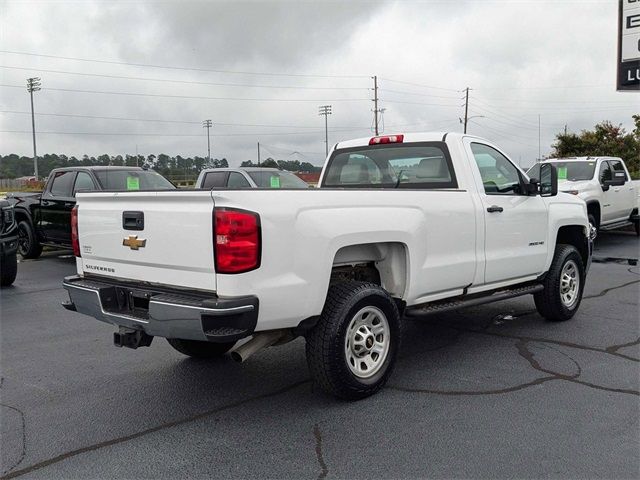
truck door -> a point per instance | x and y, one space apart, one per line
622 196
55 208
607 213
516 224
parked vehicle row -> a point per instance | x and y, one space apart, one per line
402 225
45 218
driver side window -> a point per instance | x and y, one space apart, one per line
499 175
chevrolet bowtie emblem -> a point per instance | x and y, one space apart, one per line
134 243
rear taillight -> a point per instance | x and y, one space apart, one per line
386 139
75 241
236 237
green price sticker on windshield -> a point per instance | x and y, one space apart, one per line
275 182
133 183
562 173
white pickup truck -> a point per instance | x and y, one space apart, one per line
402 225
604 184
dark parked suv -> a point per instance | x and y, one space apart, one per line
8 244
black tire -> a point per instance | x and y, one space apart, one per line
28 245
196 349
549 302
8 269
592 221
327 341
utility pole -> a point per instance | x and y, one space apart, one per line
33 85
326 111
258 153
376 110
207 124
466 108
539 151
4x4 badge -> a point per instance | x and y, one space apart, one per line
134 243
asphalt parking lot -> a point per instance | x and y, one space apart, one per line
492 391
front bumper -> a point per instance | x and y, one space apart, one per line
163 312
8 245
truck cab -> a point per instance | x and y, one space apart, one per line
604 183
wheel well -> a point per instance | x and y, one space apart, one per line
574 235
593 208
383 263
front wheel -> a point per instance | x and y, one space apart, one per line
196 349
563 285
593 223
8 269
28 245
352 349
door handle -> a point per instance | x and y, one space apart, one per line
494 208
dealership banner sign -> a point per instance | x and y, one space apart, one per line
629 45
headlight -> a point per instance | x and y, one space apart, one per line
7 216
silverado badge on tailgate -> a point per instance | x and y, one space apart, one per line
134 243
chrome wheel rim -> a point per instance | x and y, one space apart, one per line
569 284
367 342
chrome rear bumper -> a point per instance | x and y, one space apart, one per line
163 312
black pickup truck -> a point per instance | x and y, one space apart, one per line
8 244
45 218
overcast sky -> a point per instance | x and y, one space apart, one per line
259 71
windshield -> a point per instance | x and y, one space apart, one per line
277 179
124 180
394 166
572 171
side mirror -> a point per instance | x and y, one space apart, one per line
605 186
548 180
616 182
533 187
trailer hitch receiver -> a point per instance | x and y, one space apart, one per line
130 338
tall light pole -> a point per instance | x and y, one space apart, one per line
468 119
326 111
207 124
33 85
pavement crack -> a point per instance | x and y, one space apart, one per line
615 348
163 426
24 439
607 290
318 436
461 393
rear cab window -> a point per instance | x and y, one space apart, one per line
424 165
62 183
215 180
132 180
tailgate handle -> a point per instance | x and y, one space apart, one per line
133 220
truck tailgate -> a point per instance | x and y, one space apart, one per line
173 247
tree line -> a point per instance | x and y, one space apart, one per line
15 166
606 139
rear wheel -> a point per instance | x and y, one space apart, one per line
196 349
352 349
593 223
8 269
563 285
28 245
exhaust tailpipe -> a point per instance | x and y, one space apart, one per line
259 341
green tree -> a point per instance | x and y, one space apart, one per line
606 139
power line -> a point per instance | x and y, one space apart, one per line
98 117
133 134
421 103
171 67
190 82
419 85
402 92
242 99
